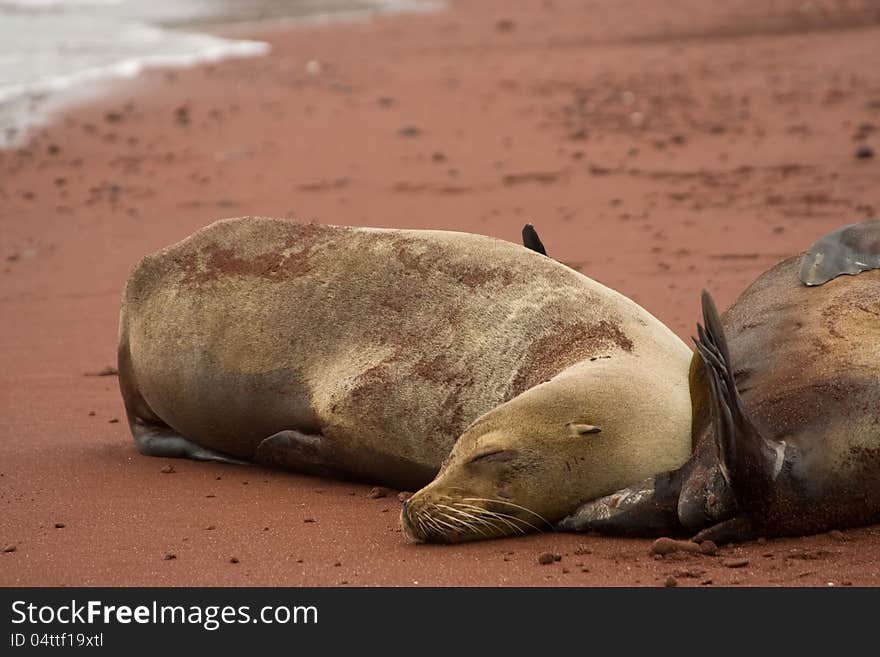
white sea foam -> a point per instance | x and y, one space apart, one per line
50 48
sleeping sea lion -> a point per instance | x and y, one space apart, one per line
366 353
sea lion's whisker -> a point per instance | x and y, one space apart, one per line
457 530
517 506
503 517
459 512
512 520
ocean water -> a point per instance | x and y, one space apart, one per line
53 49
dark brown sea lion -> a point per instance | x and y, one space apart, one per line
789 441
367 353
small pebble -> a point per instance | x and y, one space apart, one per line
169 557
9 548
233 559
709 548
837 535
308 520
377 492
864 153
546 558
670 582
665 545
59 525
167 469
734 563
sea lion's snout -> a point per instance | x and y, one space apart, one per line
409 531
435 515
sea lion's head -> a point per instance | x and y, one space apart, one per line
503 480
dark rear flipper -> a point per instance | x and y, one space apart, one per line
647 508
748 461
531 240
848 250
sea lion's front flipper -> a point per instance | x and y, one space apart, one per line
302 452
747 460
848 250
531 240
648 508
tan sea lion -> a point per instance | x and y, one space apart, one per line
366 353
791 441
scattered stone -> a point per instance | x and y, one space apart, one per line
9 548
665 545
583 550
181 115
864 153
210 528
167 469
113 117
438 156
838 535
546 558
709 548
60 525
170 556
92 414
233 559
337 564
54 149
692 573
403 496
378 492
308 520
113 420
109 370
670 582
565 571
505 25
735 563
409 131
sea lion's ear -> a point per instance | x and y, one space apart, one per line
848 250
578 429
531 240
748 461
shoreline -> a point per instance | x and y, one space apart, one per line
654 164
24 109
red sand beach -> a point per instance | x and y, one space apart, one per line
659 148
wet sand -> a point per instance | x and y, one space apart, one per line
658 150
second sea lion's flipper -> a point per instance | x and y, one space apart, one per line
531 240
734 530
648 508
848 250
746 458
